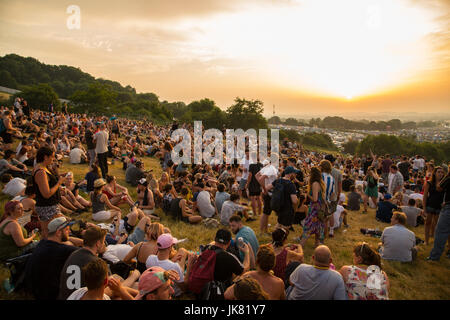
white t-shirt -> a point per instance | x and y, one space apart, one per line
204 205
116 252
337 215
75 155
416 164
271 173
78 294
14 187
245 171
416 196
101 140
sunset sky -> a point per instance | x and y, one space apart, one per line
304 56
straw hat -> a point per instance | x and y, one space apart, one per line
99 183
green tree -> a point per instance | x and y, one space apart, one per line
97 99
40 96
350 146
274 120
246 114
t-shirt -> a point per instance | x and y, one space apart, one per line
337 176
90 179
271 173
228 209
397 243
249 237
153 260
227 264
133 174
75 155
78 294
354 202
116 252
79 258
411 215
416 196
384 211
329 185
101 138
221 197
204 205
310 283
14 187
43 270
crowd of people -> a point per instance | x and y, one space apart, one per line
124 252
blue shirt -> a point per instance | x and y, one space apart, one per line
250 238
384 211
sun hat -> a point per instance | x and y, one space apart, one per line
99 183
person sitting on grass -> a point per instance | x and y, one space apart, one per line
340 216
354 200
99 202
145 201
230 207
385 208
115 192
95 275
412 213
179 209
13 237
13 186
157 284
364 280
265 262
73 188
141 251
287 257
397 242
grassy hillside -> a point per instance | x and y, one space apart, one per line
418 280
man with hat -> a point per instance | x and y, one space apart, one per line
165 242
289 198
44 267
156 284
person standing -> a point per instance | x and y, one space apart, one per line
442 232
372 188
385 167
89 136
101 148
395 180
432 202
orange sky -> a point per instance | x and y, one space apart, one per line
304 56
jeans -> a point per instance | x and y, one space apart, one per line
92 155
103 163
441 233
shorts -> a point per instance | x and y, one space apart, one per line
242 184
47 213
433 210
137 236
254 193
102 215
285 219
148 211
267 210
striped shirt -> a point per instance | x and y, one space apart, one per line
329 185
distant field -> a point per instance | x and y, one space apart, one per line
4 96
420 280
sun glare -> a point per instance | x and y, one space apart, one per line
344 49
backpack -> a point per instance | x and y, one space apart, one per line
277 196
202 271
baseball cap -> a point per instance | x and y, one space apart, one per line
150 280
59 223
290 170
223 236
166 241
387 196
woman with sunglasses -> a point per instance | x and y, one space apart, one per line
365 280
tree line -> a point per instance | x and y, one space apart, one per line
340 123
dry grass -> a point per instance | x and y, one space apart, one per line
419 280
